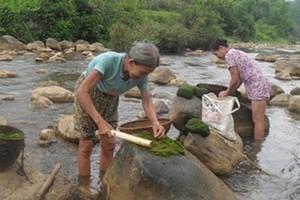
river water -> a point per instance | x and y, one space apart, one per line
279 154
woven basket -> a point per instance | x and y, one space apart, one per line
140 125
216 89
10 149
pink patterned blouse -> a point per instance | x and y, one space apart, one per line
256 84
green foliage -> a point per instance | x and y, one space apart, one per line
173 38
55 18
19 5
173 25
265 32
88 23
197 126
120 37
164 147
166 5
160 16
204 24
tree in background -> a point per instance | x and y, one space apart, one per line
172 25
54 19
88 23
296 17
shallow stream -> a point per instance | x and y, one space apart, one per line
279 153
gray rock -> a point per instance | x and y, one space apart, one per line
221 156
138 174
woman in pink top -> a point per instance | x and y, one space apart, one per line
243 69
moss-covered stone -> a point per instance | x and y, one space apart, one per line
164 147
185 91
200 91
11 136
197 126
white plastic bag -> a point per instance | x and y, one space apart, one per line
216 112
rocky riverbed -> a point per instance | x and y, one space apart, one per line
278 154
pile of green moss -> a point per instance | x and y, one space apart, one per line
200 91
11 136
163 147
188 91
197 126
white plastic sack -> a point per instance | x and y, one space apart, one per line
217 113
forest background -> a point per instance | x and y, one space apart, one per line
173 25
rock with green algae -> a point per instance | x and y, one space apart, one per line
197 126
164 147
185 91
188 91
200 91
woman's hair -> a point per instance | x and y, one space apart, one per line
215 45
145 53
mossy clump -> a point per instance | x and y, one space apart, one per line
11 136
200 91
197 126
185 91
188 91
163 147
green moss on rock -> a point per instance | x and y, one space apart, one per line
197 126
164 147
200 91
185 91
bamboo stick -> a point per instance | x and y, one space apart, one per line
44 189
131 138
243 155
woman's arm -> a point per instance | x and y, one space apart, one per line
149 109
87 104
234 83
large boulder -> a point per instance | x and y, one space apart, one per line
289 67
66 128
184 109
162 75
243 123
295 91
294 103
35 46
54 93
8 42
53 44
275 90
280 99
220 155
138 174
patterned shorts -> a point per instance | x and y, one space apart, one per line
258 90
106 105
